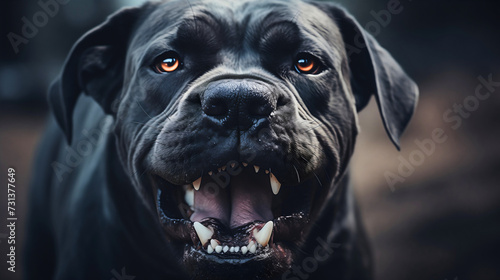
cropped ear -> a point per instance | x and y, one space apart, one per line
373 71
94 66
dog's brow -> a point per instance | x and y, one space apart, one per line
201 20
199 31
281 35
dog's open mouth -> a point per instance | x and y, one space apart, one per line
235 214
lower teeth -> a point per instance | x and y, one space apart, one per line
221 249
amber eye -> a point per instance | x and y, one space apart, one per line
307 64
168 62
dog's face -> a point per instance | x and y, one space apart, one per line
234 119
229 88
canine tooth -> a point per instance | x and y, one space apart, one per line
189 197
244 250
233 164
267 171
256 168
275 184
218 249
204 233
252 249
244 164
210 250
196 184
223 168
237 249
225 249
264 234
214 243
210 173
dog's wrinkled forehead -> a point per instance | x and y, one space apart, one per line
236 26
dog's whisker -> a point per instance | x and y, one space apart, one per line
312 128
148 125
139 103
312 154
302 157
141 173
297 172
327 174
319 181
160 143
296 15
192 13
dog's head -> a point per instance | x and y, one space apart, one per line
234 119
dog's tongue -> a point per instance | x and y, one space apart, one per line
251 198
246 199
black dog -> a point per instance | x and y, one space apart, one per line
212 143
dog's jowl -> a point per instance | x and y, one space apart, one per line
231 126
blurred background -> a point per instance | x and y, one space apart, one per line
430 213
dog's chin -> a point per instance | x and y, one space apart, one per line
245 226
269 263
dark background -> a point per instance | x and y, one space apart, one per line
442 222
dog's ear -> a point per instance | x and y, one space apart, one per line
94 66
373 71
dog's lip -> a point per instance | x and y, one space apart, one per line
285 229
277 175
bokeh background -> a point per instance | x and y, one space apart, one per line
440 222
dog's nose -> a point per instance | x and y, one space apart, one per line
238 104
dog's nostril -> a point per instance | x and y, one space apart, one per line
259 108
215 108
195 99
281 101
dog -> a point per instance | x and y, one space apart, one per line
212 141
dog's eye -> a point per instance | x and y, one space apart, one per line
168 62
307 64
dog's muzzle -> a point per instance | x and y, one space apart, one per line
237 212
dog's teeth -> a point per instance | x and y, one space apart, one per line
275 184
210 173
256 168
218 249
231 249
237 249
189 197
210 250
244 164
267 171
252 249
250 244
225 249
244 250
197 183
263 236
223 168
214 243
204 233
233 164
